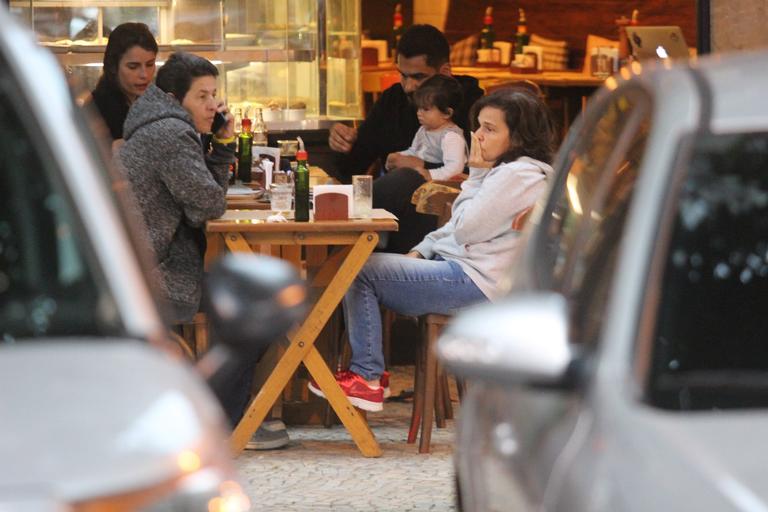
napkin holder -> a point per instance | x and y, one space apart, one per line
332 202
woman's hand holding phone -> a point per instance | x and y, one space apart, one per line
223 123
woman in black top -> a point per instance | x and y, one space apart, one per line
129 68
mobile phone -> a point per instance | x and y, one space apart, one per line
219 120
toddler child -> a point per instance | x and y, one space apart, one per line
439 141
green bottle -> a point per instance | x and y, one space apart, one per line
301 184
245 152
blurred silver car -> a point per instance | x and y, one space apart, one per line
628 368
94 415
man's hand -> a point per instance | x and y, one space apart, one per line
476 155
396 160
342 137
415 254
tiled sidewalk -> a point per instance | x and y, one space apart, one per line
321 469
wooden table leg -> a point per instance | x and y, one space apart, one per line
214 248
349 416
302 344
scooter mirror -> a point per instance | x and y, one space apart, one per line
252 300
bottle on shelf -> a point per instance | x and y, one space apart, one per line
238 119
259 129
521 37
245 152
397 30
301 185
487 35
622 23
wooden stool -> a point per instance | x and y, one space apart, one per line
431 393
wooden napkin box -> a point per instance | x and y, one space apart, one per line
331 206
332 202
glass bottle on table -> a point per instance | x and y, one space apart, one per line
487 35
245 152
301 184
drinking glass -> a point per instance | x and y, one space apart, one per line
281 195
362 195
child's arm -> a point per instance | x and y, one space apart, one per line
394 160
454 149
415 143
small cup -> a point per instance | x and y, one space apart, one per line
280 197
362 195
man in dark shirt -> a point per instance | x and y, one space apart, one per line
391 125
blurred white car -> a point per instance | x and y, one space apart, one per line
93 414
628 368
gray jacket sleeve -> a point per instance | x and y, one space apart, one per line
200 191
489 213
469 188
219 160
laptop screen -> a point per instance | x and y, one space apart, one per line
657 43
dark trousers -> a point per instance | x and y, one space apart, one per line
232 384
393 192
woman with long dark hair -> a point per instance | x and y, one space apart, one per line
129 68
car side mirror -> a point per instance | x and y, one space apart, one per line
520 340
252 300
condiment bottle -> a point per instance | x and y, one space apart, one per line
245 152
301 185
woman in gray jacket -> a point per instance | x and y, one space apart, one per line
462 262
177 183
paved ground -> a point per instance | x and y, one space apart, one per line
321 469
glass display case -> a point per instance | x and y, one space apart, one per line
299 60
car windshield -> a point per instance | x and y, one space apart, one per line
50 283
709 346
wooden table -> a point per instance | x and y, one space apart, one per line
356 239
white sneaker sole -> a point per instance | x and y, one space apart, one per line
360 403
316 391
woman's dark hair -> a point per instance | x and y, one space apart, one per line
123 38
442 92
531 132
179 70
425 40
